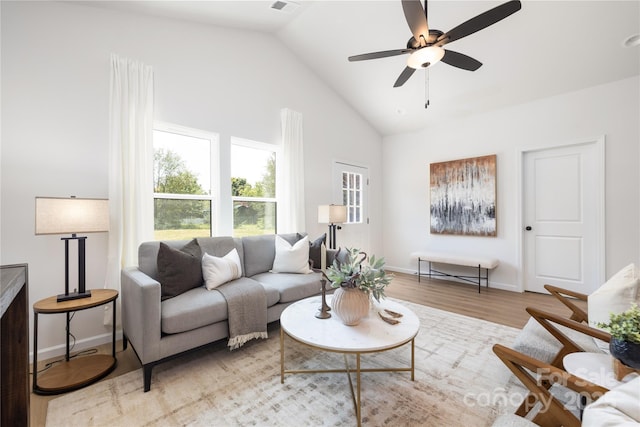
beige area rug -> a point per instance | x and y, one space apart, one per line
458 382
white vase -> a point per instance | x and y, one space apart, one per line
350 305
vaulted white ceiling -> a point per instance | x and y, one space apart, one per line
545 49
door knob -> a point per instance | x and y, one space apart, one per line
528 228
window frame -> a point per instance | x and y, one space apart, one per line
214 170
257 145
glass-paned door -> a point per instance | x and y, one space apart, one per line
350 189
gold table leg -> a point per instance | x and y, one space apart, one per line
355 394
281 356
413 364
359 407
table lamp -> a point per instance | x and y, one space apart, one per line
332 215
72 215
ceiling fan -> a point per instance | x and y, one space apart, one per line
426 45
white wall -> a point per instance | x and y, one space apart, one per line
55 117
612 110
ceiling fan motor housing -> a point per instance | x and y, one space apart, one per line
433 37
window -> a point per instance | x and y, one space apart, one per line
183 182
352 195
253 187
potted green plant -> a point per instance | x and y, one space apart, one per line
625 336
356 278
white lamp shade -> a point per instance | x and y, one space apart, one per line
71 215
332 214
427 55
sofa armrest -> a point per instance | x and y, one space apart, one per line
141 313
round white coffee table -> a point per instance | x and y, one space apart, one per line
372 335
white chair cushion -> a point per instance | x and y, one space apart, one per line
512 420
618 407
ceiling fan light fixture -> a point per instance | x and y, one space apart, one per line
425 57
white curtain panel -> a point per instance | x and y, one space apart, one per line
130 165
291 215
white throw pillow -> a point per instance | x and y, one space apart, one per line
615 296
291 259
217 271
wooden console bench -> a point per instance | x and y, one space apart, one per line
481 263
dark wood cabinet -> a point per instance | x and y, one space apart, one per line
14 346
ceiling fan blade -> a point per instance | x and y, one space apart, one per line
417 19
460 60
404 76
480 22
376 55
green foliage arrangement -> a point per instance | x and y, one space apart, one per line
354 272
624 326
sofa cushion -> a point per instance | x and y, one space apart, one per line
291 286
217 271
221 245
291 258
179 269
273 295
192 309
260 251
200 307
315 250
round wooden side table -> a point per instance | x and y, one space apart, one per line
78 372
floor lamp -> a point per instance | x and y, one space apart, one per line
72 216
332 215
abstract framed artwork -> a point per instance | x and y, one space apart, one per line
463 196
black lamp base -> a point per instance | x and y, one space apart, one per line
74 295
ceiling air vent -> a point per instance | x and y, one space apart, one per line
284 6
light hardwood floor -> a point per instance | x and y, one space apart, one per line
504 307
494 305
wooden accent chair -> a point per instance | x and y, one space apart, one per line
549 337
573 336
577 313
538 377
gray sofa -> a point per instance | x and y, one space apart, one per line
159 329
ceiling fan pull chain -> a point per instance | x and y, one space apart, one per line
426 88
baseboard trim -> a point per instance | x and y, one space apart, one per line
81 345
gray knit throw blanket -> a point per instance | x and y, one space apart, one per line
247 311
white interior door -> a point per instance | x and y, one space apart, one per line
350 188
564 217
